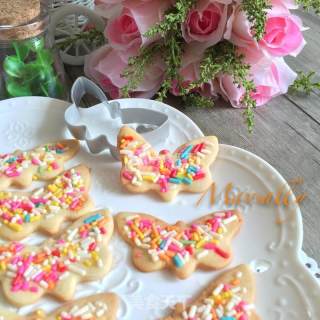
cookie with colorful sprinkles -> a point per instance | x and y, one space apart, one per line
44 209
56 266
230 296
102 306
144 169
44 162
205 243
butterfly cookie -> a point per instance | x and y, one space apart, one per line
204 243
96 307
187 169
56 266
66 198
229 297
44 162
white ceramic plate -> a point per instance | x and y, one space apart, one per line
285 289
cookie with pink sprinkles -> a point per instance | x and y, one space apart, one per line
182 248
230 296
44 162
45 209
56 266
186 169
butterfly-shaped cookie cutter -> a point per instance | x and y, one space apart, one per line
83 123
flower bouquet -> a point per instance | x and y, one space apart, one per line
200 50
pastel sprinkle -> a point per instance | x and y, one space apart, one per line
43 268
66 192
225 302
12 165
178 262
168 171
93 218
175 245
89 311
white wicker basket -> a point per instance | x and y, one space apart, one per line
69 21
58 3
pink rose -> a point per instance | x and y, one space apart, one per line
230 91
238 30
123 34
283 33
105 66
271 79
206 23
147 13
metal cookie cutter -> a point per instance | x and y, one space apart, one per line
99 125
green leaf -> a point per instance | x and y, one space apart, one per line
310 5
305 83
22 49
13 66
32 71
45 57
16 89
53 88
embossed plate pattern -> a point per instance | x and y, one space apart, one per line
285 288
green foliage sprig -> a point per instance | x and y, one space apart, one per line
170 46
172 55
195 99
257 15
136 68
310 5
170 31
224 59
305 83
173 18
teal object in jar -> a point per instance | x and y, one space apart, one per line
29 65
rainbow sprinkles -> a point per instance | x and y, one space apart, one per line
230 296
186 169
43 162
179 246
67 195
12 165
81 252
224 303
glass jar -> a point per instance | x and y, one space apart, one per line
29 65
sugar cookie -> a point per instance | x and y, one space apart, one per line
41 163
230 296
187 169
204 243
96 307
56 266
66 198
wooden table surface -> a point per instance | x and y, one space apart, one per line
287 133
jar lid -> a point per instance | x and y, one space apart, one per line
16 12
22 19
